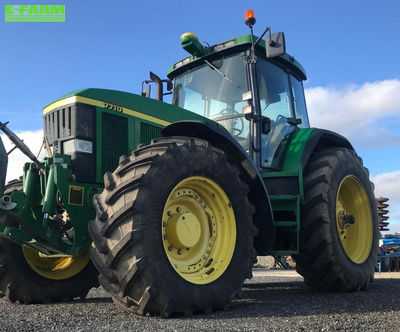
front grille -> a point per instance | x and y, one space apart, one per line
74 121
148 132
114 140
57 124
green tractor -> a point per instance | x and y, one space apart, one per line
168 205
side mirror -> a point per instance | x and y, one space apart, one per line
275 45
170 85
265 125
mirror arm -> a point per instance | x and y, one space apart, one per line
262 35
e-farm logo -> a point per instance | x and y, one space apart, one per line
35 13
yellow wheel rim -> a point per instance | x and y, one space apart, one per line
354 219
55 267
198 230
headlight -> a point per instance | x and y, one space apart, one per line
77 145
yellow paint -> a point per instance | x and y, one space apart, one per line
76 188
198 230
183 230
356 239
101 104
189 34
54 267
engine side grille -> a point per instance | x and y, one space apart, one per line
114 140
57 124
148 132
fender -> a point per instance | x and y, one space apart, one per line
219 137
301 146
322 138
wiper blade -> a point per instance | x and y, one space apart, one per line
218 71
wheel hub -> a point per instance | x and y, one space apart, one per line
198 230
183 230
347 219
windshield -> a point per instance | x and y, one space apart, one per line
214 90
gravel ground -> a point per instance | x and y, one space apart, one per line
274 300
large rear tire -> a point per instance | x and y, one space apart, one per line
27 276
173 232
339 226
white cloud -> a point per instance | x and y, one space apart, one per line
16 160
388 185
354 111
367 115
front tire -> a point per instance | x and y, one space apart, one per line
27 276
339 226
173 232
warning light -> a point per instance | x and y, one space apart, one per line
249 17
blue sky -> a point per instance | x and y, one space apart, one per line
350 50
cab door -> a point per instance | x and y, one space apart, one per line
282 101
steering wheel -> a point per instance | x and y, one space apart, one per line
236 131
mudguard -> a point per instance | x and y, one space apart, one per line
322 138
219 137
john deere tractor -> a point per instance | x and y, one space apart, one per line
173 202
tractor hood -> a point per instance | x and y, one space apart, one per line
97 126
145 108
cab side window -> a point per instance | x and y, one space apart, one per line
299 102
275 94
274 91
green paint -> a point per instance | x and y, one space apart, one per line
34 13
147 106
57 9
231 45
9 9
292 167
33 10
33 207
49 201
191 44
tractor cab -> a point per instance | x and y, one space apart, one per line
258 99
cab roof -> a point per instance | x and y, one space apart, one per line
236 45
